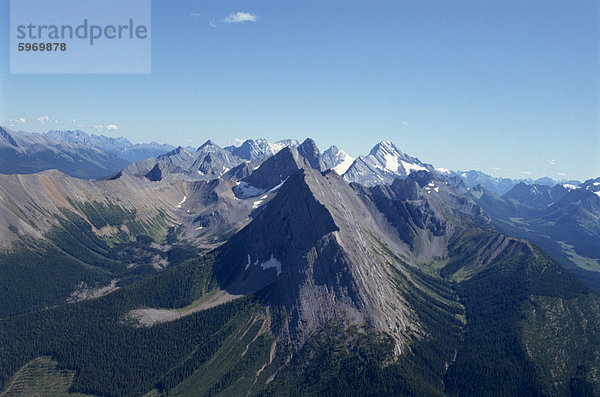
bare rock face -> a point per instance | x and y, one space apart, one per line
425 210
207 163
259 149
309 150
315 247
276 169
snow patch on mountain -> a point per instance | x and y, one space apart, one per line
338 160
244 190
272 263
410 167
384 163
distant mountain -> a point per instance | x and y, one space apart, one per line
336 159
208 162
563 220
120 146
497 185
534 195
25 154
384 163
259 149
545 181
592 185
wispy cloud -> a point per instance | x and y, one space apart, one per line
552 162
212 24
42 119
108 127
237 17
19 120
405 122
196 14
561 174
525 172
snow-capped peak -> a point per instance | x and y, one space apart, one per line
259 149
384 163
336 159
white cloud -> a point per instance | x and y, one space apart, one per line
405 122
212 24
525 172
19 120
112 127
196 14
561 174
239 16
55 121
11 125
99 127
552 162
43 119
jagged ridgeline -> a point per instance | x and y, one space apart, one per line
272 276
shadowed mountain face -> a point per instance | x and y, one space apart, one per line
272 172
536 196
313 245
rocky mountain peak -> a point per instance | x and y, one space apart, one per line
385 147
313 246
336 159
309 150
208 145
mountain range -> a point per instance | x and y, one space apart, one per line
275 269
119 146
563 220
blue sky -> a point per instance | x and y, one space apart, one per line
511 88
